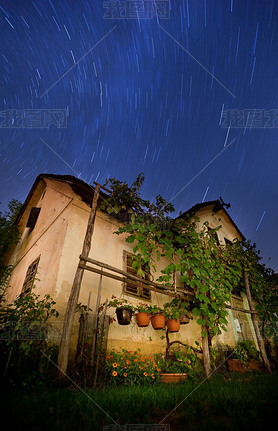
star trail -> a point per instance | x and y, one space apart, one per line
185 91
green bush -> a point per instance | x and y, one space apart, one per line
23 339
131 368
185 361
246 350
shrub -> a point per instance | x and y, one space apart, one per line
183 362
131 368
246 350
23 334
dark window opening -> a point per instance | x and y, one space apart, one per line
33 217
131 287
30 277
227 241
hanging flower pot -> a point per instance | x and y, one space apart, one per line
173 325
184 319
143 319
124 316
158 321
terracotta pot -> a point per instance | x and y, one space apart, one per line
253 365
124 316
158 321
184 319
143 319
236 365
173 377
173 325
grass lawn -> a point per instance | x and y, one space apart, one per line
225 402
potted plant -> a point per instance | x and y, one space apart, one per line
124 310
157 317
143 316
173 371
245 356
172 313
184 318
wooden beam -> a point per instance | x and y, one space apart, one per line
255 323
103 187
243 310
150 285
74 294
124 278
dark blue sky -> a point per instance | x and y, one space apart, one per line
147 95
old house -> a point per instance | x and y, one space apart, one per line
53 223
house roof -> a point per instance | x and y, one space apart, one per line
218 205
80 187
86 192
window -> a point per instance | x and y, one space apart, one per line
30 277
227 241
33 217
133 287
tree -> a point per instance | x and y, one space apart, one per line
9 235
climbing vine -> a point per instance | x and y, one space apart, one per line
209 270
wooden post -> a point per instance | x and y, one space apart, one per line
205 348
100 336
74 294
95 323
205 343
255 323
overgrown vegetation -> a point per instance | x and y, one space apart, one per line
9 236
24 329
210 271
130 368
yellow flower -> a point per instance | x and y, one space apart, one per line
115 365
125 374
145 374
140 366
114 373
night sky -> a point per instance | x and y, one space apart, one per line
147 95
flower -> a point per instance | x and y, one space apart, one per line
140 366
115 364
127 362
135 360
125 374
145 374
152 376
114 373
158 369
